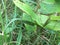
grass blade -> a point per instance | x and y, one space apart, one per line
19 37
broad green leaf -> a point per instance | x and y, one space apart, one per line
26 17
28 10
47 8
53 25
30 28
42 18
49 1
54 17
25 8
39 19
57 7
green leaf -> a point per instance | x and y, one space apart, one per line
25 8
59 43
49 6
49 1
42 18
39 19
54 17
7 28
53 25
57 7
1 40
26 17
30 27
28 10
19 37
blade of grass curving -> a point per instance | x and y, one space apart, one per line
10 23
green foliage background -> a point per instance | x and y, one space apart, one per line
29 22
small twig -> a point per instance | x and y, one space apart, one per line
43 37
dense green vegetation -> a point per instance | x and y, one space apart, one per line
29 22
